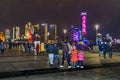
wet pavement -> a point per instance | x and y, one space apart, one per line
16 63
111 73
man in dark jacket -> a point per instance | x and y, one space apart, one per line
104 47
65 56
56 54
50 52
100 49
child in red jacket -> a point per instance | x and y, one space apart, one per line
74 58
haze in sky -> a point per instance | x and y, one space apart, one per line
106 13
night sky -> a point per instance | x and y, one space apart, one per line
106 13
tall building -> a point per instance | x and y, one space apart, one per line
7 33
31 31
84 23
2 37
16 32
52 29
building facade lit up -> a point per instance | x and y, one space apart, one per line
30 31
84 22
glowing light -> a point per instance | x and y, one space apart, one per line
84 31
65 31
97 26
76 34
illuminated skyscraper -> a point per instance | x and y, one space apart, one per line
31 31
16 32
83 23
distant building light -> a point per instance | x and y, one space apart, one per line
7 29
43 24
83 13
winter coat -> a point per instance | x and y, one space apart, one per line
50 49
100 47
55 50
37 48
104 47
80 55
65 53
74 54
2 46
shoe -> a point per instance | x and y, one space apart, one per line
51 65
69 67
61 66
81 66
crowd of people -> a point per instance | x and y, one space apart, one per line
105 47
70 53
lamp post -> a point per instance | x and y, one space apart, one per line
65 31
96 28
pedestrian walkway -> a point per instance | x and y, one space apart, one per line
30 64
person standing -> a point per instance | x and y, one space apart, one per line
100 49
2 47
104 47
65 56
29 47
37 49
56 54
80 56
50 52
25 47
69 52
74 58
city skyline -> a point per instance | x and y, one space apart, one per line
63 13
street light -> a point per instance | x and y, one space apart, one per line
48 34
65 31
96 28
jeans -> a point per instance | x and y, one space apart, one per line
56 56
80 62
68 59
51 58
110 53
104 54
2 51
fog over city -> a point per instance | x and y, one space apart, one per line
106 13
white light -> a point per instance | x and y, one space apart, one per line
97 26
65 31
43 24
83 13
48 33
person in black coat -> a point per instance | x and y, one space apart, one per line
50 51
104 48
56 54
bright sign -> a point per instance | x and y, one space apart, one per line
84 31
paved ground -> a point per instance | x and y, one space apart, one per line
16 63
111 73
